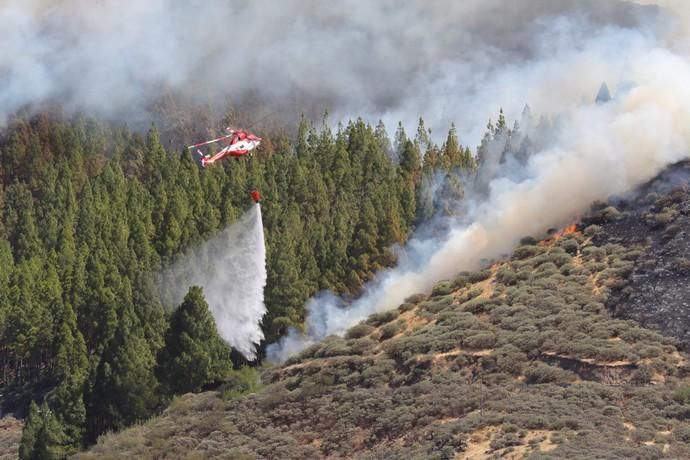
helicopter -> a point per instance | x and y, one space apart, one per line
241 142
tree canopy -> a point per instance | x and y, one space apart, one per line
91 212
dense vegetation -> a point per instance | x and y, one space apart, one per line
519 360
91 212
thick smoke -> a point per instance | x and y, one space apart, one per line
585 152
231 268
447 60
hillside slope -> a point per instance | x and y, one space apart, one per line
521 360
655 220
10 437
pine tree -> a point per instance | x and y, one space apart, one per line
424 206
154 161
80 312
71 372
285 291
42 437
383 141
411 162
194 354
25 235
364 248
501 125
409 179
450 195
125 389
423 137
6 269
468 163
604 95
399 142
302 147
32 427
51 442
452 151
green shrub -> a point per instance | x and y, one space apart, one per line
614 249
389 330
461 281
510 359
612 411
415 298
480 341
568 269
506 276
240 382
642 376
438 304
592 230
361 346
569 245
443 288
308 352
543 373
594 307
379 319
547 281
378 373
477 306
359 330
665 217
528 341
332 346
682 434
632 255
559 259
524 275
523 252
609 214
505 440
477 277
623 268
595 253
406 306
469 295
682 395
595 267
547 267
522 296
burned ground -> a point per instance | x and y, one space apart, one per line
656 221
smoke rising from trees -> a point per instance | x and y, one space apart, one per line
585 151
445 60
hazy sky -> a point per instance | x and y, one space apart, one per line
446 60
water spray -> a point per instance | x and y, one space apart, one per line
231 269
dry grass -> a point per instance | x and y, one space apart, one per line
478 444
10 436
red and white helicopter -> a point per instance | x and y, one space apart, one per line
241 143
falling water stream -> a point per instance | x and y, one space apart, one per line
231 269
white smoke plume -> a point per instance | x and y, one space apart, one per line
589 152
231 269
446 60
443 59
